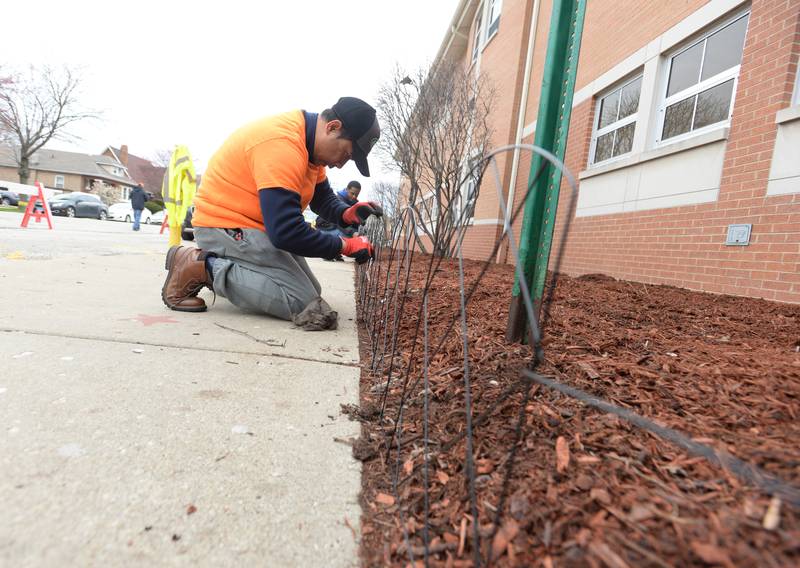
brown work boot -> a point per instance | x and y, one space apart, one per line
186 277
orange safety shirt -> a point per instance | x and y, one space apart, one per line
267 153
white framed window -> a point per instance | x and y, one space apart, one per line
493 17
615 122
488 12
462 208
476 35
59 182
701 82
428 208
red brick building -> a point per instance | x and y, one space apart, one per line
685 121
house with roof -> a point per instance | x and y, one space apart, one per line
140 169
69 171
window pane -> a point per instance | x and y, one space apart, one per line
476 39
629 99
678 118
608 109
604 147
495 6
724 49
685 70
624 140
713 105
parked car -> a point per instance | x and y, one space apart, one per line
8 197
158 217
123 211
79 204
187 229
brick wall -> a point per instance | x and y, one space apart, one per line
615 29
684 246
72 182
9 174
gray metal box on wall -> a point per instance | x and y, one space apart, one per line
739 235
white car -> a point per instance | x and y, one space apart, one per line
123 211
158 217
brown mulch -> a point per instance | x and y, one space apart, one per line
586 488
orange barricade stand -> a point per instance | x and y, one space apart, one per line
30 210
164 224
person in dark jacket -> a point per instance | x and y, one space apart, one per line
138 197
349 196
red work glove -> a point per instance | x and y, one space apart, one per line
358 248
359 212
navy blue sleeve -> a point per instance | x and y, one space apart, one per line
288 230
326 204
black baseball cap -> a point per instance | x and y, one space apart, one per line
359 120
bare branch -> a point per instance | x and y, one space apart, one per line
435 131
38 105
161 157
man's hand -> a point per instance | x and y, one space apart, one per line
359 212
357 248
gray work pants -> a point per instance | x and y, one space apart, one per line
254 275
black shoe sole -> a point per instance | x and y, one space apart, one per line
168 266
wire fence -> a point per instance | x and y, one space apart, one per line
404 349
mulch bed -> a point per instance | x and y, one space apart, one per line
586 488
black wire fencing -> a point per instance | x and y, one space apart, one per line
427 351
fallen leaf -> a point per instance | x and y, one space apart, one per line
590 371
484 466
640 512
600 495
583 536
772 518
598 518
751 509
462 538
450 538
503 538
588 460
608 556
408 466
711 554
562 454
384 499
584 482
191 509
442 477
552 493
520 506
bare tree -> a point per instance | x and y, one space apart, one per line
435 131
36 106
5 133
109 194
388 196
161 157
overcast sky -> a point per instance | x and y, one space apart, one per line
166 73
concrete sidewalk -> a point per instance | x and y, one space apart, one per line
134 435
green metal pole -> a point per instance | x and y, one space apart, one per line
552 126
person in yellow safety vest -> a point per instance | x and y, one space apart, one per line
248 218
178 189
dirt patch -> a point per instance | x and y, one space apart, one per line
584 488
